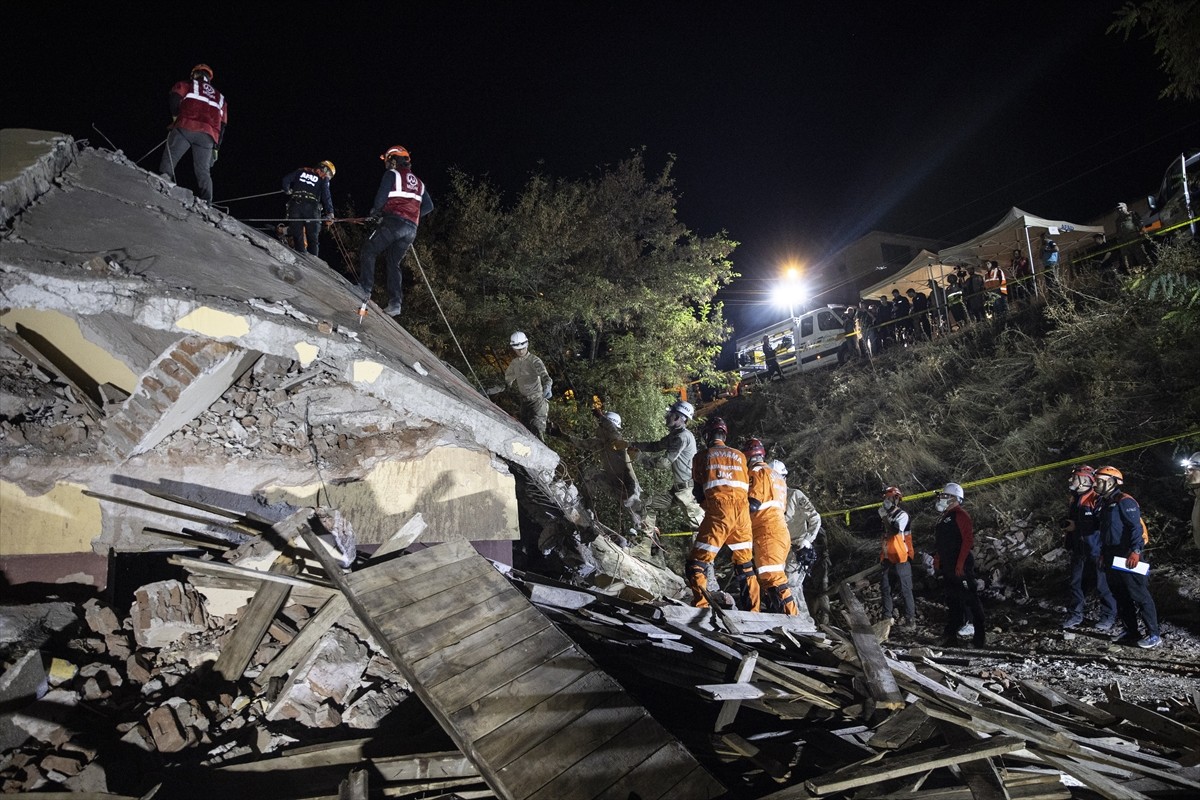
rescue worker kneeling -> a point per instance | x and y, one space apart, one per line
720 483
768 494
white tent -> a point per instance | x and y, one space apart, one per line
916 274
1020 230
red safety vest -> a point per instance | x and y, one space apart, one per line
202 108
404 200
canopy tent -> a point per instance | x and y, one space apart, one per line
916 274
1020 230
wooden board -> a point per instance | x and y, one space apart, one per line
534 714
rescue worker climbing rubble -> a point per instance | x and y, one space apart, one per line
807 551
1080 526
400 203
199 114
896 555
720 482
527 375
1122 537
307 190
677 449
769 533
616 468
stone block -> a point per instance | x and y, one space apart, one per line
164 612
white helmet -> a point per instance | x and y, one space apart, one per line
953 489
614 418
518 340
779 468
683 408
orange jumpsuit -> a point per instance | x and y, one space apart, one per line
719 474
768 493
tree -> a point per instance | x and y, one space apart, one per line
614 292
1174 25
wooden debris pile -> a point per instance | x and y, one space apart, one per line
799 714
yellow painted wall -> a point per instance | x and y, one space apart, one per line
61 521
458 492
64 333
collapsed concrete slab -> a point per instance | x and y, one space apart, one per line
150 338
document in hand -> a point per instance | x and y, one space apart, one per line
1143 568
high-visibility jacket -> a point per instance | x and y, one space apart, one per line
200 108
768 492
719 474
897 535
996 280
405 196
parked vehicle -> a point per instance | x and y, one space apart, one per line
802 343
1173 210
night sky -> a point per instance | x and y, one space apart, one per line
797 126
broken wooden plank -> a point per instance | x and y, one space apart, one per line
901 728
880 682
236 653
354 787
1101 785
742 672
1164 728
220 568
316 627
872 771
170 512
778 772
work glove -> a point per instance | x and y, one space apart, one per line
216 152
375 219
1132 560
329 220
619 444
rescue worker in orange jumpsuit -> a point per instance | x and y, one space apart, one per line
721 484
769 531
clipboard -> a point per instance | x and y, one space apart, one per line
1143 567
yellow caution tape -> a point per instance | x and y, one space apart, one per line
1023 472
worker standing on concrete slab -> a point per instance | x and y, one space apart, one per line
307 190
199 115
769 532
721 482
400 203
527 375
678 449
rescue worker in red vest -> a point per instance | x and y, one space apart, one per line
954 534
400 203
199 115
720 483
1122 536
897 554
997 284
308 199
769 531
1080 527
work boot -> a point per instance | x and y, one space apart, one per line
1106 625
393 310
1072 621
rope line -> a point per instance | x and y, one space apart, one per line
429 286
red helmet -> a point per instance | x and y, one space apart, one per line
205 68
754 450
716 428
1087 472
893 493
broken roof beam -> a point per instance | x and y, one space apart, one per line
881 683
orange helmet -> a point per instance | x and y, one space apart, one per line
395 152
205 68
1111 472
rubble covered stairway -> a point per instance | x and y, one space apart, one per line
534 713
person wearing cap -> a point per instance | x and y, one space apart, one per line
1191 480
1122 538
675 452
1081 528
309 200
896 555
616 467
199 114
401 202
954 535
721 482
769 531
526 375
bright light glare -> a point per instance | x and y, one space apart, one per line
791 290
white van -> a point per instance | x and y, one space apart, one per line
802 343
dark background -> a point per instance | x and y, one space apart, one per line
797 127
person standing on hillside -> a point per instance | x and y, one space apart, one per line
769 532
1130 237
678 449
1049 259
897 555
1018 268
307 190
1083 542
526 374
771 359
1122 537
804 526
1191 480
199 115
954 534
973 294
997 283
400 203
919 315
721 482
